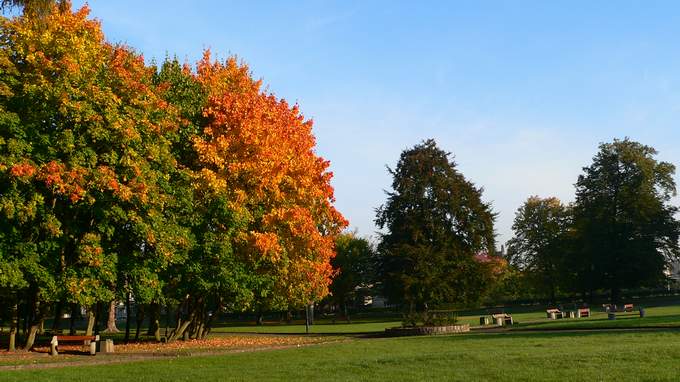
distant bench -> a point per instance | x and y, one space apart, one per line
554 313
91 340
613 308
505 318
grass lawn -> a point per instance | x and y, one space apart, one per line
658 316
499 356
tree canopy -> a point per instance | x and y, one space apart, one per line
539 247
187 187
435 224
624 219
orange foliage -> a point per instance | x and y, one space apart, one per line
259 151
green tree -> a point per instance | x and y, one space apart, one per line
539 246
353 263
627 231
86 149
435 223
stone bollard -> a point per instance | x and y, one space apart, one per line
611 316
642 312
106 346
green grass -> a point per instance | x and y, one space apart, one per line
505 356
663 316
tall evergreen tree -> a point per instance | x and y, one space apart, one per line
436 223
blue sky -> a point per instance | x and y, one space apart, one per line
520 92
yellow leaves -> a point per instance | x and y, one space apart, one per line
89 250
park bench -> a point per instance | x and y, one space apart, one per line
86 340
503 318
554 313
613 308
583 312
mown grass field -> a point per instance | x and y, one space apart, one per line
597 356
657 316
534 349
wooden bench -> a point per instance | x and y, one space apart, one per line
613 308
583 312
86 340
554 313
505 318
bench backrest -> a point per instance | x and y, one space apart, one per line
76 338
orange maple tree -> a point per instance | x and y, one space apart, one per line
259 151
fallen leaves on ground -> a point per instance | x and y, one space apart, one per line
211 344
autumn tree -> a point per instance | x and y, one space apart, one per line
624 219
31 7
539 248
189 188
435 224
262 149
85 147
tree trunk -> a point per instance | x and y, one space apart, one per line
128 315
182 326
167 319
72 324
91 317
30 340
14 327
260 319
139 318
57 317
98 319
205 330
154 321
38 314
111 321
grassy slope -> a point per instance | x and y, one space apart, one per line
516 356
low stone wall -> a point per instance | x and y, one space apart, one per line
427 330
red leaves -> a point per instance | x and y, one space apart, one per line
22 170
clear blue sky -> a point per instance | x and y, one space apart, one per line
520 92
